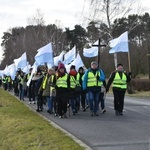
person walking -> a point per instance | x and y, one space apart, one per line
4 81
82 95
48 87
72 93
21 81
92 82
62 91
118 79
37 81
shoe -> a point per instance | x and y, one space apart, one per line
87 106
96 114
120 113
56 115
84 109
91 113
29 102
68 105
37 110
60 117
116 112
65 116
49 111
33 102
103 111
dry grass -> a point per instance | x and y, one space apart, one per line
141 94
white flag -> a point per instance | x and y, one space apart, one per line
67 67
77 62
44 55
12 71
91 52
119 44
70 56
26 68
32 73
58 58
1 73
21 62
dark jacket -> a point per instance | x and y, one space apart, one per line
111 79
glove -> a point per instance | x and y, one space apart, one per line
107 90
129 73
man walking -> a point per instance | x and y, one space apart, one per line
119 78
92 82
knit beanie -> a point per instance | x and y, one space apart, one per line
61 65
72 67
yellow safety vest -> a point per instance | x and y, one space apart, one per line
46 79
44 82
92 79
62 81
52 86
21 79
120 83
72 82
9 79
28 76
77 78
4 80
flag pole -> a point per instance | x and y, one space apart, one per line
115 60
129 61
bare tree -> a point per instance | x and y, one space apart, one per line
106 11
36 19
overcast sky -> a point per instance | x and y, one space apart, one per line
14 13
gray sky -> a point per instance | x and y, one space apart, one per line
14 13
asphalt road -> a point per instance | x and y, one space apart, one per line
108 131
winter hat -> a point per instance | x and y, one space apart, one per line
51 69
72 67
61 65
94 63
81 68
120 65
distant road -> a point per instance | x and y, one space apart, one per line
108 131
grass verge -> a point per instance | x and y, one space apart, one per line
22 129
140 94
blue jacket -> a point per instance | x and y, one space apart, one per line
85 80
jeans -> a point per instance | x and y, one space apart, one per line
50 102
87 98
73 104
101 100
93 100
21 93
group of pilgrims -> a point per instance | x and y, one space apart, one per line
78 90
